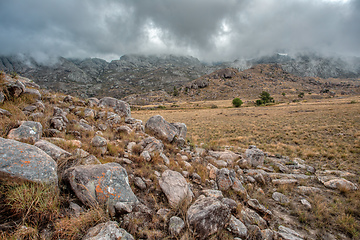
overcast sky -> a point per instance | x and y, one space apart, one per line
211 30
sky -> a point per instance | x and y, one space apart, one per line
211 30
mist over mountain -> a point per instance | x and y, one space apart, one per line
134 73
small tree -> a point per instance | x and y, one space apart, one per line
175 92
264 98
301 95
283 94
237 102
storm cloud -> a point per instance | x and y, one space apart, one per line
211 30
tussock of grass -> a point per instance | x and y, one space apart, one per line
76 227
35 203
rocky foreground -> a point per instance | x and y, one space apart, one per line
151 182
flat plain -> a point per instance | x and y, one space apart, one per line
323 132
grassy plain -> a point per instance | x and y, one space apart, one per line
325 132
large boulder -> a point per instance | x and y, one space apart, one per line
341 184
175 187
181 129
52 150
100 184
254 156
223 179
107 231
159 127
23 162
120 107
207 216
28 131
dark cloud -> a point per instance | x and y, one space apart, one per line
208 29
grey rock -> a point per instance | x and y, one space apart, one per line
305 203
181 129
123 207
341 184
52 150
212 193
239 188
28 131
75 209
237 227
163 213
289 234
223 179
207 216
254 204
175 187
98 141
100 184
308 190
255 156
146 156
107 231
230 203
140 183
227 156
268 234
279 197
176 224
165 158
2 97
254 233
152 144
157 126
250 217
123 129
32 92
15 89
89 113
93 102
120 107
24 162
4 112
284 181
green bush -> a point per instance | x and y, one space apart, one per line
237 102
301 95
264 98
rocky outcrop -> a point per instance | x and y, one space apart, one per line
120 107
100 184
107 231
52 150
159 127
28 131
23 162
207 216
175 187
254 156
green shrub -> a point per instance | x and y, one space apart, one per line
264 98
301 95
236 102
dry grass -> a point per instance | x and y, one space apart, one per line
76 227
325 133
33 203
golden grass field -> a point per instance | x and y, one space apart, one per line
325 133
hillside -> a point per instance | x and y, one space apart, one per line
139 74
118 78
73 168
226 84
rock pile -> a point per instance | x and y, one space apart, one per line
185 191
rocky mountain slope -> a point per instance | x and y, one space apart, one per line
229 83
137 74
96 77
75 168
